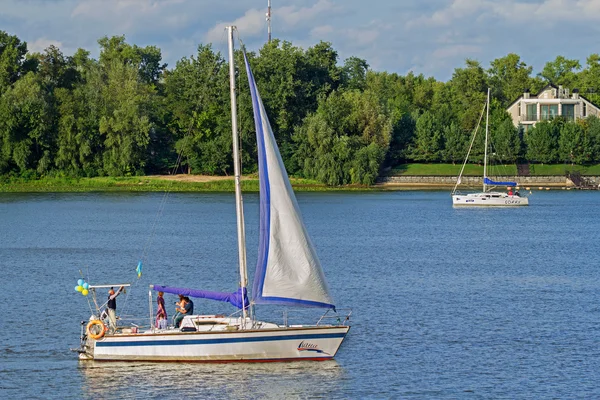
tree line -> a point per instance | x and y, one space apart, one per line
127 113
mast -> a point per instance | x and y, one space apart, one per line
269 19
487 117
239 207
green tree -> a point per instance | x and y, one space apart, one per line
403 131
506 142
509 78
542 143
592 128
147 60
79 143
456 142
589 79
197 96
124 124
12 60
354 73
428 140
468 88
345 140
561 71
22 128
573 144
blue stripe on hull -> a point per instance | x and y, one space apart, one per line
218 341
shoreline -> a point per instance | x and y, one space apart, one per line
205 183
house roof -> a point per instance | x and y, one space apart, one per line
549 85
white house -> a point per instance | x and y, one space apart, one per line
551 102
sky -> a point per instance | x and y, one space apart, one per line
429 37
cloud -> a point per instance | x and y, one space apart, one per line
460 50
133 15
41 44
251 23
293 16
321 31
427 36
511 11
285 19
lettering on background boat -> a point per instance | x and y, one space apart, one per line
512 202
307 346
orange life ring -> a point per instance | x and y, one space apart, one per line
93 332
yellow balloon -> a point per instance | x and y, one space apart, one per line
84 292
79 288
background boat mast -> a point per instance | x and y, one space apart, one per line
239 207
487 123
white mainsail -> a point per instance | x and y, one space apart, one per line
288 270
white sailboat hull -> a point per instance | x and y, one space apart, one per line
489 199
252 345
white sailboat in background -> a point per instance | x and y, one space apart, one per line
486 197
288 273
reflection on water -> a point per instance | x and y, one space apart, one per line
198 380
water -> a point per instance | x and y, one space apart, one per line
447 303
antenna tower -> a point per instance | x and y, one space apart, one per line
269 19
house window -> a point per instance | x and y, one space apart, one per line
568 111
548 111
584 109
531 112
519 108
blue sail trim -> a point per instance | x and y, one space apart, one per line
265 195
238 298
488 181
294 302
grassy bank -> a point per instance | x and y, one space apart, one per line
152 184
193 183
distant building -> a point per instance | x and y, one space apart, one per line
551 102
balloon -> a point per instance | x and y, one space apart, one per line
85 285
80 282
79 288
84 292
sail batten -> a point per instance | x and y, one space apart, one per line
288 271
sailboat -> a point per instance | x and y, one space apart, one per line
288 273
487 197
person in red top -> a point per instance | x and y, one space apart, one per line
161 312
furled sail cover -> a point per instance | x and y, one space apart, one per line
288 271
488 181
238 298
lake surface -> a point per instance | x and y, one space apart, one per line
447 303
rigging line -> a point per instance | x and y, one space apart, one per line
176 167
470 147
174 170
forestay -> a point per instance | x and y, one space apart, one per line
288 271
